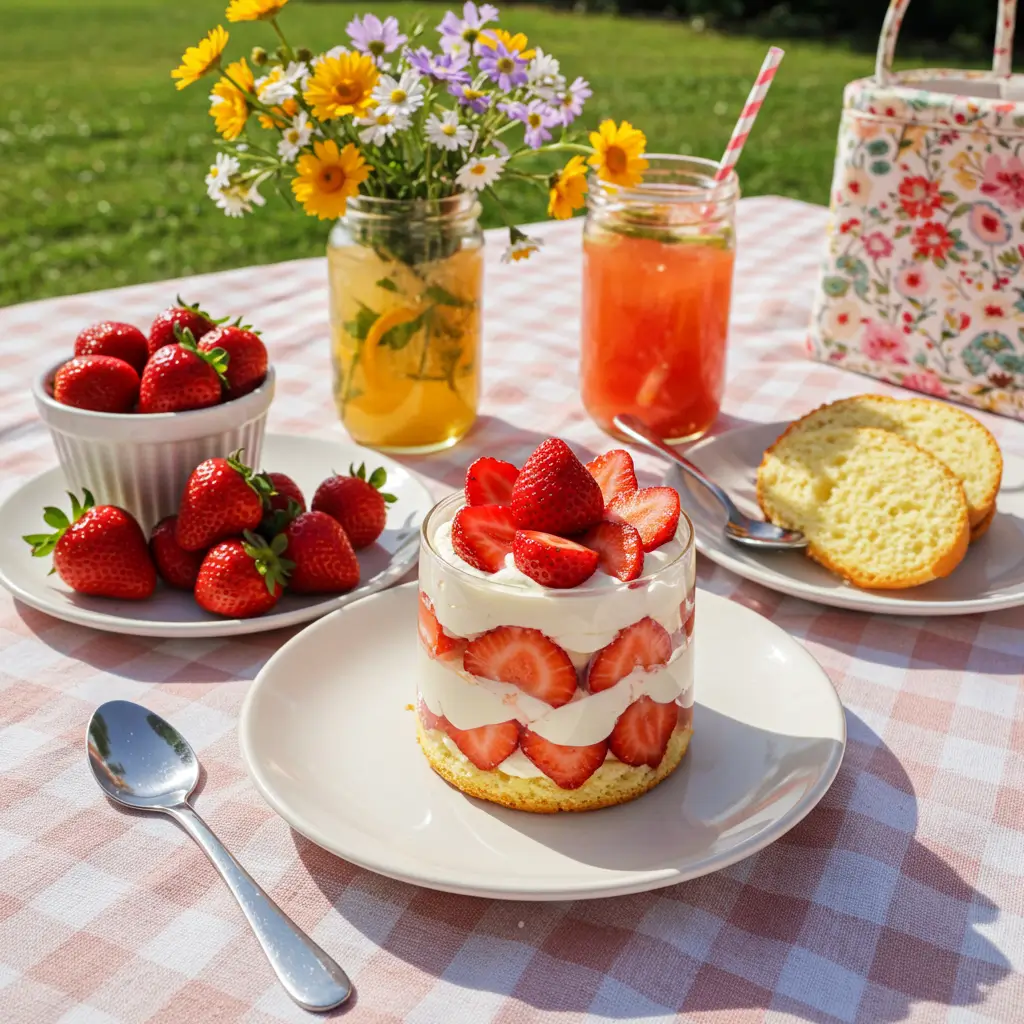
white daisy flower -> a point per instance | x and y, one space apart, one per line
294 137
274 91
521 249
498 145
446 132
380 125
239 198
220 174
399 95
481 171
543 76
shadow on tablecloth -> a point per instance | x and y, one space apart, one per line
846 917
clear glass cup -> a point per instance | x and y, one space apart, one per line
657 282
406 281
457 605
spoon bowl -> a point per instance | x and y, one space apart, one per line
739 527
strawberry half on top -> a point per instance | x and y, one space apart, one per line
482 535
553 561
652 511
525 658
614 473
490 482
554 493
180 377
164 330
223 498
99 550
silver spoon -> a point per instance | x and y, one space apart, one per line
739 527
143 762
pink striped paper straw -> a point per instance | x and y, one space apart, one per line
750 111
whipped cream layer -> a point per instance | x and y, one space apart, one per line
468 602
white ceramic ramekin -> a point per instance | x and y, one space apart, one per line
142 462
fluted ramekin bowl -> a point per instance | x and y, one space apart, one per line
141 462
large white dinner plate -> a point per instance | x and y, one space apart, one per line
174 613
990 577
329 738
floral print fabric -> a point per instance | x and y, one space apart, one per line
923 278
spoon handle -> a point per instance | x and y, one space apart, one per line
636 431
308 974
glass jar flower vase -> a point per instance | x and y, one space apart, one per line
406 278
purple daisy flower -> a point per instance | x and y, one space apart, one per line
504 66
457 32
568 105
441 67
538 118
375 37
467 96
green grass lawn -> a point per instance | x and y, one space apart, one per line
102 160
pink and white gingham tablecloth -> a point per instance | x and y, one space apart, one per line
900 898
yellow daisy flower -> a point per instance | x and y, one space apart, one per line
327 178
492 36
342 85
568 189
229 105
254 10
618 153
281 115
199 60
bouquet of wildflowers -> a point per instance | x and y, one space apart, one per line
400 115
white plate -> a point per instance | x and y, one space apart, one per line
991 576
328 738
174 613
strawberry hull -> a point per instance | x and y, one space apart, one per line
597 679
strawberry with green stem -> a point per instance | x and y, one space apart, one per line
356 502
182 377
183 316
243 577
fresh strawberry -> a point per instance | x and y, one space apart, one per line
428 719
644 644
555 493
436 642
614 473
179 318
176 566
488 745
286 489
99 383
527 659
553 561
180 377
652 511
566 767
247 357
357 503
619 549
112 338
642 732
482 535
100 550
324 562
241 578
490 482
223 498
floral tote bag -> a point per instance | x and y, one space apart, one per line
922 283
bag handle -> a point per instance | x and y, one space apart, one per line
1002 55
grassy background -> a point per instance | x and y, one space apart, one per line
102 160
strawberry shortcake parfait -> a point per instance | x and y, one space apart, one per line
556 633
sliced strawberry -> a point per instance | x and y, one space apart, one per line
482 535
436 642
488 745
490 482
553 561
555 493
527 659
428 719
642 732
566 767
644 644
614 473
652 511
620 552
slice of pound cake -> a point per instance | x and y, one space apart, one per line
878 510
950 434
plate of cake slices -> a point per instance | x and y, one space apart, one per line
910 507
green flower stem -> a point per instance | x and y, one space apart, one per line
289 52
556 147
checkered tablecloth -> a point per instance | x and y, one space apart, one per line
901 897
